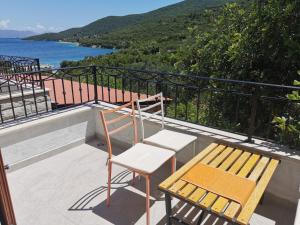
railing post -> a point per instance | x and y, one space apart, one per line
159 85
253 103
39 69
94 71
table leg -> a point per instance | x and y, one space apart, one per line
168 208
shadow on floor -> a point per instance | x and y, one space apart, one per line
126 207
118 214
82 203
280 211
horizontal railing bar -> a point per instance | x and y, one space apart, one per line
167 74
205 78
16 57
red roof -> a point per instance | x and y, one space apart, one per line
87 93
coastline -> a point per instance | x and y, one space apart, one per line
75 43
69 42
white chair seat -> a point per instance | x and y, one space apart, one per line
171 140
143 158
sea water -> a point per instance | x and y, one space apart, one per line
49 52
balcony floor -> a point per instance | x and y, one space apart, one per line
70 189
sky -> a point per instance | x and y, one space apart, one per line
55 15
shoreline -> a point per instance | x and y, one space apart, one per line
69 42
82 45
76 43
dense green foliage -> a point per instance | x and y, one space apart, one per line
288 125
257 42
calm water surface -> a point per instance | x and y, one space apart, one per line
49 52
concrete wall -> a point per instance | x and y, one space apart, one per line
26 143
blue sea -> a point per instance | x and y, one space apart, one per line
49 52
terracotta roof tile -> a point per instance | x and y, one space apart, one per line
87 93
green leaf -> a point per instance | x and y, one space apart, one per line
279 120
296 83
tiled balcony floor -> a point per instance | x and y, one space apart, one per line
70 189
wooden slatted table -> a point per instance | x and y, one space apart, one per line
242 163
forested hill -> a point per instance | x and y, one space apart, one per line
104 31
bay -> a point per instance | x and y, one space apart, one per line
49 52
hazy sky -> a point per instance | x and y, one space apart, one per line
55 15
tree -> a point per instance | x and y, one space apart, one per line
288 125
248 42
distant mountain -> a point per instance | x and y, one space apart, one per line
15 34
113 24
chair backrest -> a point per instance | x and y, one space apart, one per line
106 123
156 109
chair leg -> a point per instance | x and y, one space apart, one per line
133 178
173 164
148 199
108 184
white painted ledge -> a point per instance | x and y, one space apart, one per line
235 140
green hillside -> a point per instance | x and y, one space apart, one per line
98 27
119 31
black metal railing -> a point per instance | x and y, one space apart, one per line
233 105
17 64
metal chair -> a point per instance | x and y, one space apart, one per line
164 138
140 158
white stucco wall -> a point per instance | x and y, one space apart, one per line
22 142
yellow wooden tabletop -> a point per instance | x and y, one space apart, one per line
239 162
